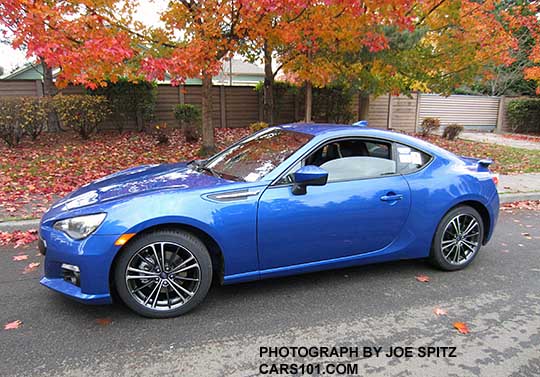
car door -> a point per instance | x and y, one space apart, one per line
351 214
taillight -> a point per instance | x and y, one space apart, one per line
495 179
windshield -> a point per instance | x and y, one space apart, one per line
254 157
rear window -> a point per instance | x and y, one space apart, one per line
410 159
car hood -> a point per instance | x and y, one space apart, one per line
138 180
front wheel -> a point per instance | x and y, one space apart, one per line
163 274
458 239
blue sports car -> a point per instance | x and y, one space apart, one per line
286 200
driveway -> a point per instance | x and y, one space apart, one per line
498 297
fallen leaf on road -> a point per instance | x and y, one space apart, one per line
17 237
31 267
461 327
17 258
505 251
422 278
439 312
13 325
103 321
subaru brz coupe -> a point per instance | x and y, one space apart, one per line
286 200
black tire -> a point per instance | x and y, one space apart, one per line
437 257
190 245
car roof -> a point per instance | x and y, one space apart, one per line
329 130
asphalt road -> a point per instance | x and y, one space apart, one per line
498 297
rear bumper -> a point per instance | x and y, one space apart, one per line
493 208
72 291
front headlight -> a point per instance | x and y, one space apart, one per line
81 226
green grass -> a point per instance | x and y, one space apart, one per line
508 160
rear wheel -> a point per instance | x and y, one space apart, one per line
163 274
458 239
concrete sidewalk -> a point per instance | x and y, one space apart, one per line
519 183
493 138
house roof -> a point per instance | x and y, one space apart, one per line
243 73
28 71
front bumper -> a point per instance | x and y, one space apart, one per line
93 255
72 291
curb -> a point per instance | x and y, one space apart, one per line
24 225
518 196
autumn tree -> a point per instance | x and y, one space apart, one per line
211 30
376 45
312 40
270 26
446 44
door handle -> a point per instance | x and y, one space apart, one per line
391 197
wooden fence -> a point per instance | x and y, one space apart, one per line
239 106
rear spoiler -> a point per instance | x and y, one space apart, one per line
483 165
480 165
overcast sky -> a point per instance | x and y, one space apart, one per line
148 13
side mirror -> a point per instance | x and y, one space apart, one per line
309 175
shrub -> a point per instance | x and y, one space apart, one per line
257 126
429 125
452 131
81 113
34 115
333 103
10 126
161 133
21 116
524 115
134 101
189 117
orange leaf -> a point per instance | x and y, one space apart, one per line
17 258
104 321
439 312
422 278
31 267
13 325
461 327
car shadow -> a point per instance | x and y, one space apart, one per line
276 292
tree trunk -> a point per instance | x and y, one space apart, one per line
309 101
363 106
139 119
208 144
268 89
50 90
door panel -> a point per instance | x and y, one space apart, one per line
336 220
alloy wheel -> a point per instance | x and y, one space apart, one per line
163 276
461 239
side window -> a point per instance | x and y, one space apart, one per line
409 159
354 159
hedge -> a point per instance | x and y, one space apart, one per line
524 115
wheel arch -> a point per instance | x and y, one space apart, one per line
216 254
481 209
